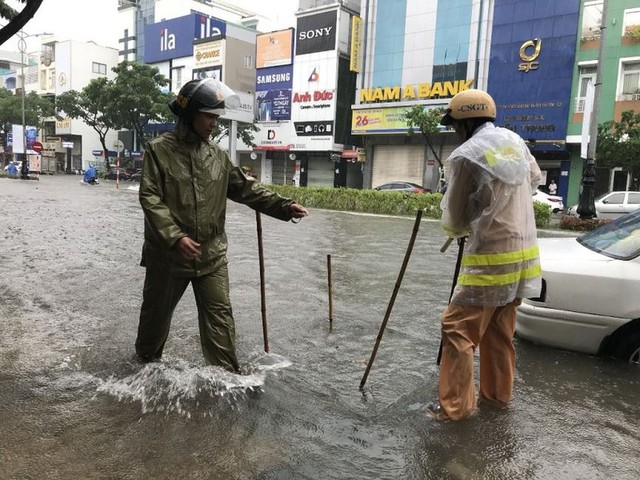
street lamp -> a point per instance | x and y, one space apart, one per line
22 48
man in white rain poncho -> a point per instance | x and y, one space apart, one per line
492 176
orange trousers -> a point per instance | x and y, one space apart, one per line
465 327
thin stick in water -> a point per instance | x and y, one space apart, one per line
263 301
407 255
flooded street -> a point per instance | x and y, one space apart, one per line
75 405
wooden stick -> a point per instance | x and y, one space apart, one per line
330 293
461 241
263 300
416 226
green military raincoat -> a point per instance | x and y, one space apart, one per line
184 189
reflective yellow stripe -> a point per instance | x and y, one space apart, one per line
499 279
480 259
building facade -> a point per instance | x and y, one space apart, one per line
620 83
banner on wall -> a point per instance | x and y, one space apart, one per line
208 54
316 33
357 33
274 49
313 98
378 120
273 93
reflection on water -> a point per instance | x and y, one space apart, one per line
74 405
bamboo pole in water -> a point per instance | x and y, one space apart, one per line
407 255
263 301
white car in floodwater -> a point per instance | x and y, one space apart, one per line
590 298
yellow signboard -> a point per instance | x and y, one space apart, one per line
378 120
355 60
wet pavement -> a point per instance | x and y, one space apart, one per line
74 404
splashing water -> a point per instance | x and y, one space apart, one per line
175 385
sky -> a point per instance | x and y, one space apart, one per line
97 20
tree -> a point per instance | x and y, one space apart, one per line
17 20
36 109
139 97
428 121
619 143
94 106
245 131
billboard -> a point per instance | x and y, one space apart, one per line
274 49
316 33
175 38
207 27
531 69
273 93
208 54
313 101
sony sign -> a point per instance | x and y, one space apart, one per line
316 33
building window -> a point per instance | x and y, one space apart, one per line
591 20
99 68
248 61
587 74
631 23
630 81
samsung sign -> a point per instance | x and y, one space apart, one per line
274 78
174 38
316 33
531 70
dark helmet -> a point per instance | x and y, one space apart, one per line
207 95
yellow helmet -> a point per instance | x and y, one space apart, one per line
469 103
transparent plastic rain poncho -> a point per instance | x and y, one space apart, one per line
489 199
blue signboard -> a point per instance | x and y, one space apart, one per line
531 68
175 38
169 39
273 93
208 27
274 78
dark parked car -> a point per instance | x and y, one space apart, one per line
402 187
111 175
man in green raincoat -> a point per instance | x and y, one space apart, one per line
186 180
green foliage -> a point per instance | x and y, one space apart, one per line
245 131
619 143
385 203
36 109
139 98
93 105
542 213
632 31
365 201
427 120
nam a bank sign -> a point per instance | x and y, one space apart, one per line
421 91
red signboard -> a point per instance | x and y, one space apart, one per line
37 147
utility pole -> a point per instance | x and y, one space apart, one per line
586 206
